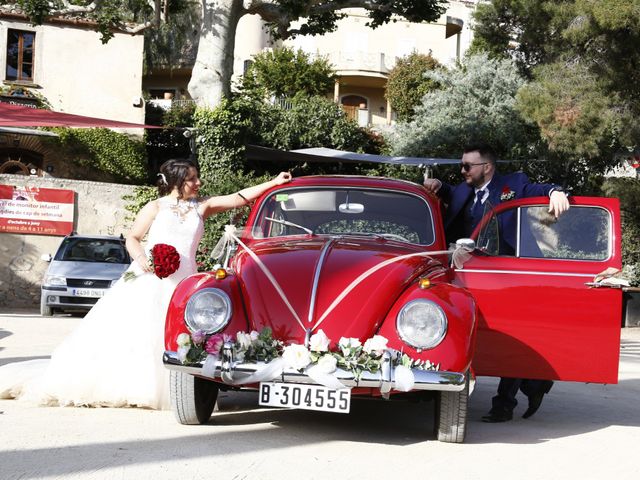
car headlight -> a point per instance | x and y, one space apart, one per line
208 310
422 324
55 280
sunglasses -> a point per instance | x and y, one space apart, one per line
467 166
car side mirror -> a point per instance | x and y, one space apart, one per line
466 243
46 257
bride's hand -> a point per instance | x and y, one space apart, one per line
143 261
282 178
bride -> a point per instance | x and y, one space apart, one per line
114 357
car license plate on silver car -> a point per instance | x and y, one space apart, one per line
307 397
87 292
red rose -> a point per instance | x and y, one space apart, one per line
166 260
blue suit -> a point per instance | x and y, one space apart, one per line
459 222
457 197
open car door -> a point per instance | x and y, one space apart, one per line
538 318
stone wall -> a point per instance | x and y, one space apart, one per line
99 210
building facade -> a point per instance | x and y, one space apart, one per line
64 66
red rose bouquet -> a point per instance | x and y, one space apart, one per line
164 260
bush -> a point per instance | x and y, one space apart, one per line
122 157
628 191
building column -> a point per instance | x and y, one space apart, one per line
388 112
336 91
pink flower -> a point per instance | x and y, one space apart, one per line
198 337
214 344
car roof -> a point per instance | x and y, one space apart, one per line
357 181
96 237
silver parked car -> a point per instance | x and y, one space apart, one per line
81 271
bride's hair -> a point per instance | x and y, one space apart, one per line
173 174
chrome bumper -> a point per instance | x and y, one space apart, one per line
233 373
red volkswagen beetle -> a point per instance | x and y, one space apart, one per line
341 287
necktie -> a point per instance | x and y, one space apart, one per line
477 209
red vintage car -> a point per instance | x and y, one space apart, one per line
343 287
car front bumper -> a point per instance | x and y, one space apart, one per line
67 297
235 373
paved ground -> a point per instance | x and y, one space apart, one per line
581 431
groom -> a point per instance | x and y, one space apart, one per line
465 204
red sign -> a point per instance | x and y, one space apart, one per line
32 210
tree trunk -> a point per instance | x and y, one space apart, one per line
211 75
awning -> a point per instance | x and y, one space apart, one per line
19 116
328 155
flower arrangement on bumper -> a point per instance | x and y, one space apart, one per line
350 354
165 260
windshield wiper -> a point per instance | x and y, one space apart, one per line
289 224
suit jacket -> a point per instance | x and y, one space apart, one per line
457 197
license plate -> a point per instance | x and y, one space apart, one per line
307 397
87 292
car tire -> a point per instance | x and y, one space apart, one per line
192 398
451 415
45 310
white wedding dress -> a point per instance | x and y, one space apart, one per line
114 357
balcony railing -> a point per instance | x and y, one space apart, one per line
363 61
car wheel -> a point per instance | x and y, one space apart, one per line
451 415
192 398
45 310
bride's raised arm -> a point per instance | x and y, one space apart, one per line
221 203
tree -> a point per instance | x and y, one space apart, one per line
583 58
211 75
284 72
407 83
476 101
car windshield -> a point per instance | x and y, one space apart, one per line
92 250
394 215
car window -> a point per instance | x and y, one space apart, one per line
581 233
391 214
92 250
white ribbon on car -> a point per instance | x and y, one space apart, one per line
230 236
271 371
460 255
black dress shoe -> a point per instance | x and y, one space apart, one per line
535 400
498 416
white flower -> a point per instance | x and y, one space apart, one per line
348 344
327 363
319 342
296 356
376 345
183 339
254 335
183 350
244 340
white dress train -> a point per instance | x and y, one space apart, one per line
114 357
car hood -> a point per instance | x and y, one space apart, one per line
95 270
332 264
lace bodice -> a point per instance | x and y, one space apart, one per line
178 223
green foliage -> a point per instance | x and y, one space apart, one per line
105 150
628 191
284 72
139 198
476 102
584 59
574 116
315 18
224 132
170 142
407 83
231 182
